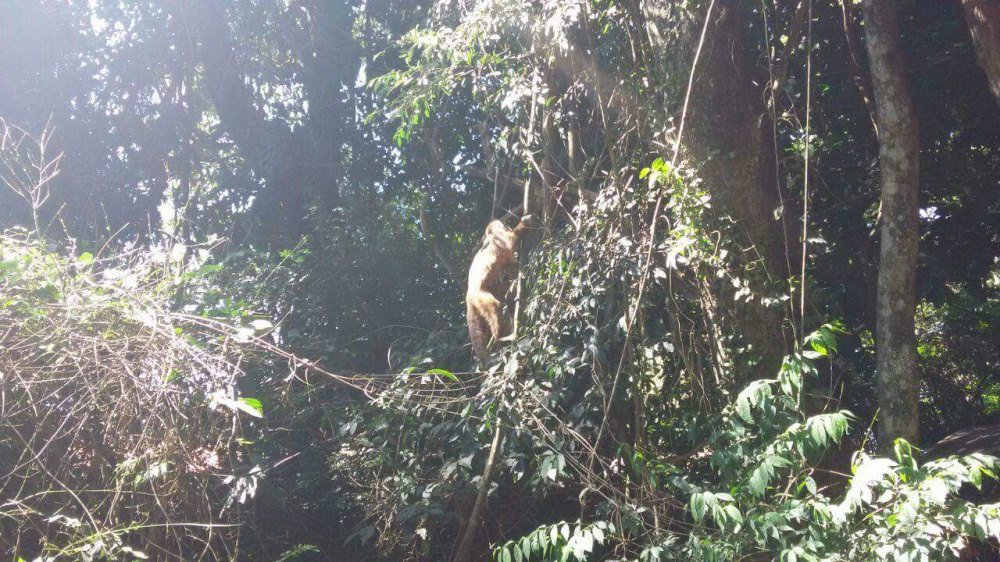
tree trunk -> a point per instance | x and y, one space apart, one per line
983 17
731 136
259 141
899 160
294 165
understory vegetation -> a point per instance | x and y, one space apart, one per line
235 238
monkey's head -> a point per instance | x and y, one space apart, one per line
497 228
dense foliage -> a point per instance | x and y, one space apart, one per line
233 248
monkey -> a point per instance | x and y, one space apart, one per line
490 275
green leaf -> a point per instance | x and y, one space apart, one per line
598 534
543 539
698 507
250 406
813 355
442 372
734 513
300 550
810 485
817 431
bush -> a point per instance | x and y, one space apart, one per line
120 421
760 501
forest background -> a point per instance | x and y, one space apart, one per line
235 239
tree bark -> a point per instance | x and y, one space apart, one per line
730 136
983 18
899 160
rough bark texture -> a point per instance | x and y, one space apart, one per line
983 17
899 159
729 133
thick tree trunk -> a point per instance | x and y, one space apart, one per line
730 135
899 160
983 17
294 165
263 144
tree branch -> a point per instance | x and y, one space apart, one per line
794 38
464 553
861 78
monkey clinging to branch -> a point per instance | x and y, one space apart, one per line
490 276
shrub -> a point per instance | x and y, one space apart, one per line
120 420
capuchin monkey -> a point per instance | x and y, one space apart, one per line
490 276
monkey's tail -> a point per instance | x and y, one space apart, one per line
479 335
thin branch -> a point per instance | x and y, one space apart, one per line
805 179
465 548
